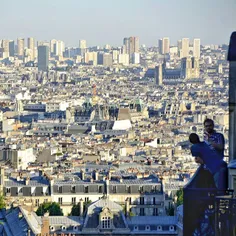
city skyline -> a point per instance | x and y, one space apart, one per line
106 24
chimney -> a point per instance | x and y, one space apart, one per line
107 186
51 181
109 175
127 207
96 175
82 174
81 207
27 180
45 224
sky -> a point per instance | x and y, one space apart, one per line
103 22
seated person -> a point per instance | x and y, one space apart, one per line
212 160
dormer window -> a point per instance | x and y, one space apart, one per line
171 228
73 189
135 227
147 227
86 189
159 228
106 222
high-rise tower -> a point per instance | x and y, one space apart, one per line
196 48
43 58
20 47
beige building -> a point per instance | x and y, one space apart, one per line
20 46
196 47
31 45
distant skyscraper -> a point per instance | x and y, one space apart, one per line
196 48
52 43
43 58
126 46
11 48
184 48
135 58
158 75
20 47
59 48
82 44
160 46
31 44
133 45
107 59
164 46
5 46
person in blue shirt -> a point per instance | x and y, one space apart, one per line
211 159
214 139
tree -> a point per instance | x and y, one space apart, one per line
2 202
75 211
52 207
170 211
180 197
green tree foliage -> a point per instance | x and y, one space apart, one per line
75 211
52 207
180 197
2 202
170 211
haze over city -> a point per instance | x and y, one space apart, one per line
107 22
117 118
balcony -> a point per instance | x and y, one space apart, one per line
199 204
225 216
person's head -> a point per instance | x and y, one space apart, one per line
209 125
194 138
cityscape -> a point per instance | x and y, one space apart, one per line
94 140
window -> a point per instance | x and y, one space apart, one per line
100 189
171 228
154 200
159 228
142 212
45 200
60 189
155 211
86 199
106 222
114 189
86 189
36 202
73 189
141 189
129 189
141 200
147 227
60 200
135 227
8 190
73 200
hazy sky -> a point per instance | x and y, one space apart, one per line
103 22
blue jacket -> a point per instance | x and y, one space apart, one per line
211 158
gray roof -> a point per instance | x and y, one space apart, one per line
152 220
65 220
36 181
104 203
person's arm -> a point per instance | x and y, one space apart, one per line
220 145
199 160
196 154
